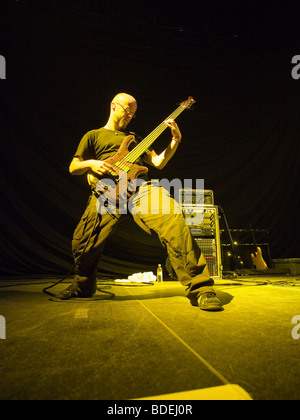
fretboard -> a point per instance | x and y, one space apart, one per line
150 139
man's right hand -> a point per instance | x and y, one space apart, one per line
100 167
79 166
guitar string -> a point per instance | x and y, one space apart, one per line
140 148
146 143
162 126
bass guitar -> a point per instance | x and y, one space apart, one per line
120 184
257 257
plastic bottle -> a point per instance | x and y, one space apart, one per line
159 274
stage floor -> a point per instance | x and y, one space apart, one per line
148 341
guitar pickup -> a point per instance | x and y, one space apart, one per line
114 176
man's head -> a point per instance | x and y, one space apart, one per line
122 109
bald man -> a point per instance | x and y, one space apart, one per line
94 228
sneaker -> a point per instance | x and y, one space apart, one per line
209 302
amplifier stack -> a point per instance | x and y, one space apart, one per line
203 220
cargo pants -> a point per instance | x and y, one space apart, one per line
154 210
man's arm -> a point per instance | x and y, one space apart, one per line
79 166
160 161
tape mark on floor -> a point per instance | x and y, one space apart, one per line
225 392
202 360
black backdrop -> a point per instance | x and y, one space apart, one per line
65 60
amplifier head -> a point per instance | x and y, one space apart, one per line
202 221
191 197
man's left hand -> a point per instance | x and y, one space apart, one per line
174 129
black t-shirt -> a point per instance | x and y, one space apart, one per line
101 144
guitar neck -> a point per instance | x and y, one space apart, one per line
150 139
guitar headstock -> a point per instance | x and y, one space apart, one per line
188 103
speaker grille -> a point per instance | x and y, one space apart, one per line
209 248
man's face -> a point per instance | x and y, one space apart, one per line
124 112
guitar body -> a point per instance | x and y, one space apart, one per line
119 185
258 260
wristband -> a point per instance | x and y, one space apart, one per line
177 141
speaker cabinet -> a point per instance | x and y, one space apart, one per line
203 222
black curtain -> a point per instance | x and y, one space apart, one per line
66 60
